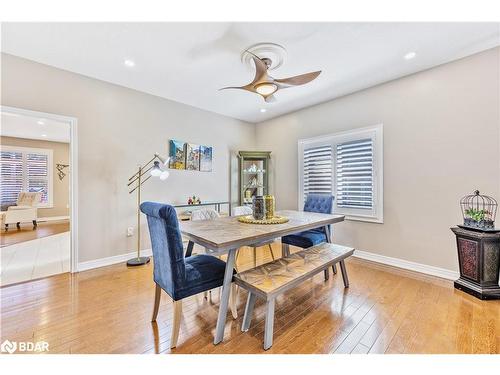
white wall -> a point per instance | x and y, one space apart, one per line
441 141
119 128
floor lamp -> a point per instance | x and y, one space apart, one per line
134 183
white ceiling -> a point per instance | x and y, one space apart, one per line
22 126
189 62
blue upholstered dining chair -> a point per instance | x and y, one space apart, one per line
178 276
321 203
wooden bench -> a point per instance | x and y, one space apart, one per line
272 279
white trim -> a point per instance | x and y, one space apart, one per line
73 160
52 218
407 265
103 262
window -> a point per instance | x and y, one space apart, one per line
25 169
348 165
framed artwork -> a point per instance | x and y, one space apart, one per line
205 158
177 154
192 157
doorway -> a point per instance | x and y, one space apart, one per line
38 195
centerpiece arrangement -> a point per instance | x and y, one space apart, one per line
263 212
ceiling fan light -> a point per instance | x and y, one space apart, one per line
266 88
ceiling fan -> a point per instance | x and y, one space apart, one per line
265 85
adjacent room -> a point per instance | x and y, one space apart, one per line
35 198
251 188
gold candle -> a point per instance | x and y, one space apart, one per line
270 205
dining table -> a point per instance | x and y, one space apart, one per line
226 235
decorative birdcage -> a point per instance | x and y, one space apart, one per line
479 211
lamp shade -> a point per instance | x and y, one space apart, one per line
164 175
156 171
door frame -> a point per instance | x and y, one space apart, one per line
73 162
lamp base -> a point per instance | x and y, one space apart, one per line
138 261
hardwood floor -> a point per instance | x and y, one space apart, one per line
385 310
27 233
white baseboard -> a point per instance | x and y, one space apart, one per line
407 265
103 262
52 218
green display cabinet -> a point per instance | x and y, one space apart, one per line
254 175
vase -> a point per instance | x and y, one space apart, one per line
258 206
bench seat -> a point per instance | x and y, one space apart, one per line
272 279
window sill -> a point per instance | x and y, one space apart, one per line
367 219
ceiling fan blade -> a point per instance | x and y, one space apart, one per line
270 99
297 80
260 70
247 87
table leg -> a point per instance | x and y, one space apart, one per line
329 240
224 299
189 249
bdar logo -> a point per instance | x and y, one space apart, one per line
8 346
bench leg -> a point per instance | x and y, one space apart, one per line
327 274
344 274
268 332
334 269
285 250
247 318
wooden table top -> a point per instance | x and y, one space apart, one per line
228 233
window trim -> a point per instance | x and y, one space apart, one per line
377 133
50 170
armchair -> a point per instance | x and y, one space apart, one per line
24 211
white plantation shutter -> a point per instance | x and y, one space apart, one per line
354 174
348 165
37 170
317 163
25 169
11 172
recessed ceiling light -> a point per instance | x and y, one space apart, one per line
263 110
40 122
410 55
129 63
44 135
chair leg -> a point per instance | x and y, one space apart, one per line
6 227
233 300
271 251
156 306
327 274
247 318
236 260
34 224
334 269
344 274
285 250
18 225
268 331
176 324
254 257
